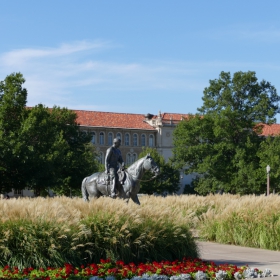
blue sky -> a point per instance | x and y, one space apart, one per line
135 56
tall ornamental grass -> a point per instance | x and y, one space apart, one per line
252 221
50 232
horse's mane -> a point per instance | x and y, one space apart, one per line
135 166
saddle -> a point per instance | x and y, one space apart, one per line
103 178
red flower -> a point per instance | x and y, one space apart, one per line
122 270
93 265
6 267
119 263
124 273
105 261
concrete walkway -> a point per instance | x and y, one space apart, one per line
254 258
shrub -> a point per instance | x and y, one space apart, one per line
49 232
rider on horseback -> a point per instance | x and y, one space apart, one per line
112 159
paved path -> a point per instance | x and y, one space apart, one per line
254 258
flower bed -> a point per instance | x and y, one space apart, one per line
187 269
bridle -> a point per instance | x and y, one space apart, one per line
153 169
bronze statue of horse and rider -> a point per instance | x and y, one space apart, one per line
117 181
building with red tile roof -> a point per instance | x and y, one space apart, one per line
135 131
113 120
132 129
139 130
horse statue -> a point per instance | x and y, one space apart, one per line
128 186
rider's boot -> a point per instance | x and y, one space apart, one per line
113 187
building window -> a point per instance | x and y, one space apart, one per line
130 158
100 158
101 138
143 140
126 139
134 158
135 140
110 138
151 140
93 139
119 136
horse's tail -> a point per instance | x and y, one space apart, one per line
84 190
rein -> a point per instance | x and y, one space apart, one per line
147 180
140 179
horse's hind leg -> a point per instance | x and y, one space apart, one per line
93 190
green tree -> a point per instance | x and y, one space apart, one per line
166 182
57 154
41 148
220 143
12 111
269 154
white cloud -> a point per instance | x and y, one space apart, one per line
74 75
56 71
20 56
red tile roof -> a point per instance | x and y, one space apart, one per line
174 116
137 121
107 119
272 130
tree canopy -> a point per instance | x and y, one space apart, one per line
41 148
12 112
269 154
221 142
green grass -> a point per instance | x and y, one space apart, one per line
50 232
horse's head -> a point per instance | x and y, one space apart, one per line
149 164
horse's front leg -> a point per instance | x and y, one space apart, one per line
135 198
